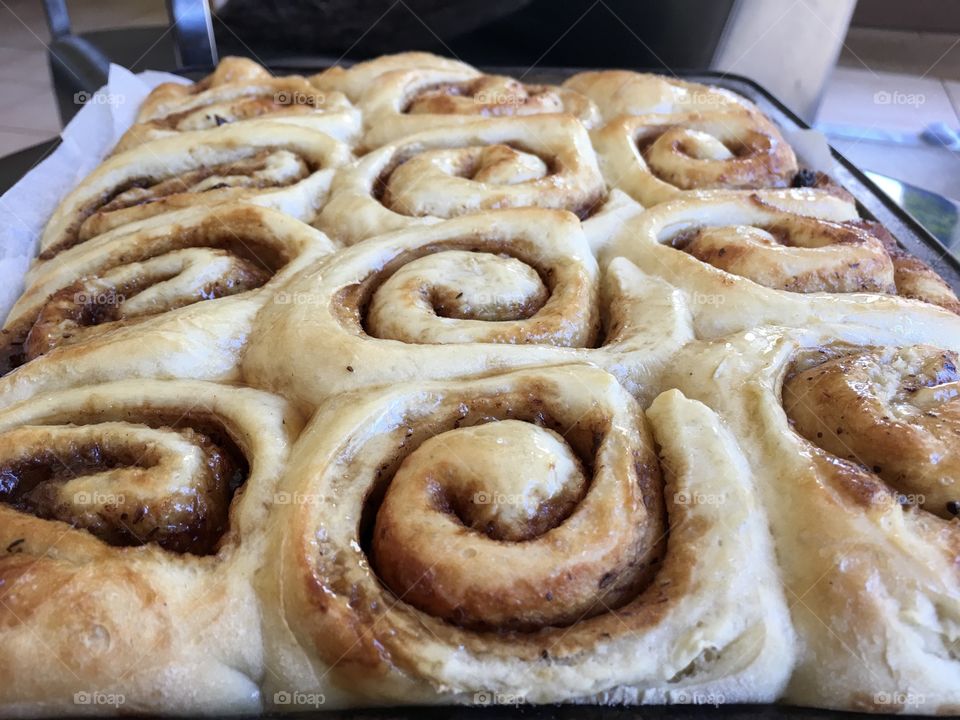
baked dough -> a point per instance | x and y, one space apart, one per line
238 90
283 166
663 137
484 165
404 102
461 298
559 448
870 572
655 158
122 625
809 246
570 490
622 92
170 296
353 81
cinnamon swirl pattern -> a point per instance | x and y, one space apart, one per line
654 158
457 513
171 296
852 434
545 395
282 166
621 92
461 298
133 518
793 257
353 81
240 89
664 137
484 165
408 93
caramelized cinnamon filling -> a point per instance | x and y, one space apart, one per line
528 289
105 484
252 172
892 414
98 302
461 492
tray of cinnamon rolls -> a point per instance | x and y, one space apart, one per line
408 384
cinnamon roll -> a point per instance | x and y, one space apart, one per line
356 79
655 158
462 298
485 165
133 520
852 436
516 537
404 102
622 92
240 89
271 164
170 296
792 257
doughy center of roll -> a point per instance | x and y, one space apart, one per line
490 95
461 296
501 525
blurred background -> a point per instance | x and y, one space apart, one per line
880 77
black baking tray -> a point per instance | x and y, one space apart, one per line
872 204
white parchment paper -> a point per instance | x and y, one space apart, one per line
88 138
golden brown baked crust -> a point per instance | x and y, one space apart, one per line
121 624
655 158
870 573
336 628
790 257
238 90
492 164
562 448
287 167
170 296
405 102
462 298
663 137
622 92
356 79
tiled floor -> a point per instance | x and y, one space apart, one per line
885 82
